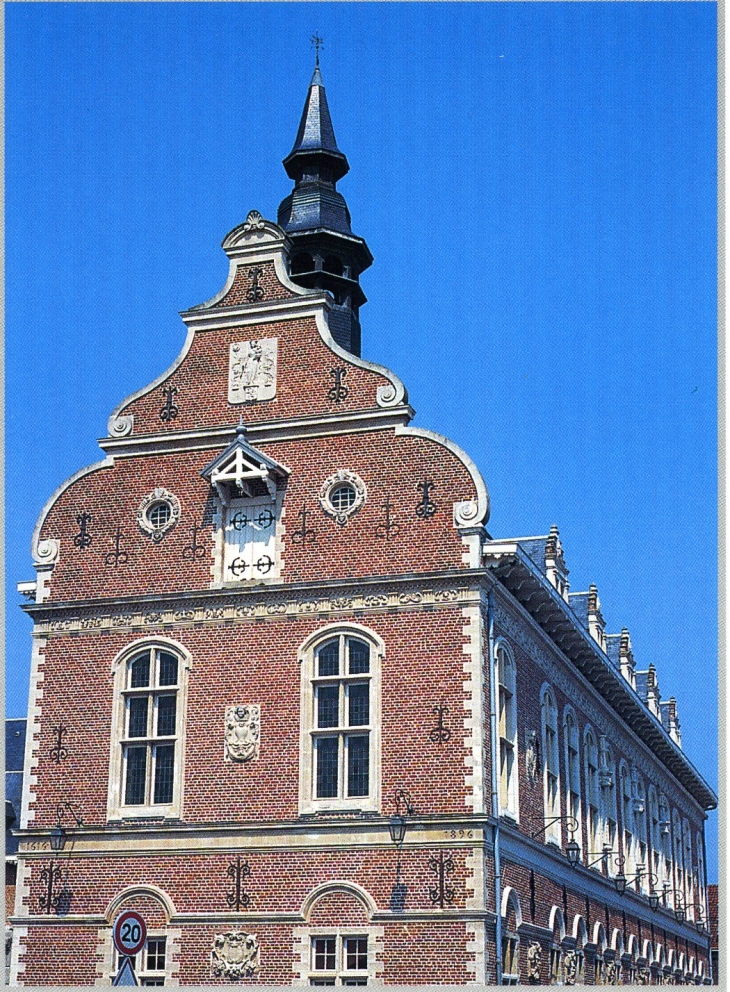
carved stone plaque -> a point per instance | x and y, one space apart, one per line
243 730
252 370
235 955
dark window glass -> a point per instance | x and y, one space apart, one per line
358 705
140 672
158 514
321 981
303 262
156 954
324 953
152 981
356 953
354 981
358 762
168 669
328 705
326 748
359 657
138 716
164 766
329 659
343 497
136 776
165 716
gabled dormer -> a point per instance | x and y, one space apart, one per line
247 519
618 649
587 607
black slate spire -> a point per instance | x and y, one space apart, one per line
326 255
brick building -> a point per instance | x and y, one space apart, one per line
292 702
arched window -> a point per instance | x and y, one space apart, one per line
678 858
145 772
638 807
627 818
557 926
551 763
609 815
340 738
593 819
511 922
572 765
302 262
333 264
688 869
665 839
505 675
700 877
655 838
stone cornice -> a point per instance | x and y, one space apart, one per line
286 600
301 428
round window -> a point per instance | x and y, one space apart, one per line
343 497
159 514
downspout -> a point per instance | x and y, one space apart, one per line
494 762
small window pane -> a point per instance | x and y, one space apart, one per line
158 515
343 497
324 953
165 716
328 658
358 705
156 954
354 981
359 656
356 953
140 672
138 716
136 776
358 766
321 981
328 705
168 669
164 766
326 754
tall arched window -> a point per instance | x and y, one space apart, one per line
688 869
655 838
678 858
700 877
551 762
609 815
638 807
593 819
340 736
627 818
506 682
665 838
145 771
572 766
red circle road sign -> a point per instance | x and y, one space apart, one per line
129 933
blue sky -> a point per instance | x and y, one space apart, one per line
537 183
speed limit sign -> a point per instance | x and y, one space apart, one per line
129 933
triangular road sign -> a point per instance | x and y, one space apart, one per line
125 975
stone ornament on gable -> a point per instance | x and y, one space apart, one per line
120 426
235 955
47 551
254 221
534 961
465 513
252 370
242 732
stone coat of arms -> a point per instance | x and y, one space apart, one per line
235 955
243 732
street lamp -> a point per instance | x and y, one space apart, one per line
621 881
572 850
58 834
403 808
679 909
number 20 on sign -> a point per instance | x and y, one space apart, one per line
129 933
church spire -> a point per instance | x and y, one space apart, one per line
326 255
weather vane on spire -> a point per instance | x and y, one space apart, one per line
318 43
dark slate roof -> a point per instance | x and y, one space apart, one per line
613 645
14 754
579 605
534 548
642 685
664 710
316 135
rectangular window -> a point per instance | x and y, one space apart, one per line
326 749
149 965
250 540
134 793
358 766
164 766
339 960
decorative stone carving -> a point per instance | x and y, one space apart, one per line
532 754
47 551
153 523
610 973
254 221
342 513
243 732
534 961
465 513
252 370
642 976
235 955
570 965
120 426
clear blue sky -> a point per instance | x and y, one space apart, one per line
537 185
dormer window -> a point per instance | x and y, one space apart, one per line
250 488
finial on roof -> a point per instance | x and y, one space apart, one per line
240 430
318 43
